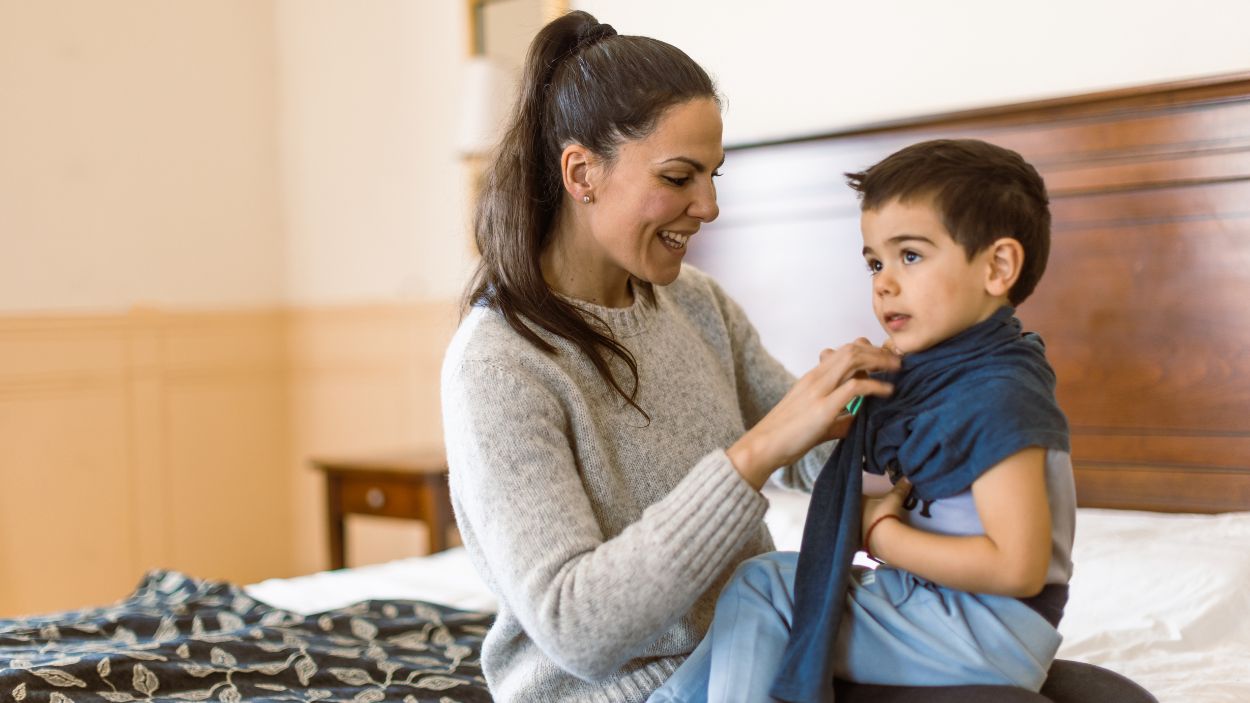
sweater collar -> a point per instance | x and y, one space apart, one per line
623 322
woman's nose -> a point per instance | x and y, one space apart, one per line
704 207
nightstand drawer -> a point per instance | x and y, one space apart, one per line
381 497
411 485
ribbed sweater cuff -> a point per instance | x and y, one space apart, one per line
640 684
708 517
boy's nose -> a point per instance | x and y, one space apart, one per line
884 284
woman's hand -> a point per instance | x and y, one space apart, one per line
809 412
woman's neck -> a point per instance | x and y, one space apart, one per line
574 265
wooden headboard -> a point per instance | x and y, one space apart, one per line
1145 305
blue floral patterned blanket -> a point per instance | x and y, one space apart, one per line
177 638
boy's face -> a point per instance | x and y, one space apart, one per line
924 288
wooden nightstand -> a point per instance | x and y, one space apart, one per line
410 484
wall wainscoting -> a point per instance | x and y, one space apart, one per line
180 440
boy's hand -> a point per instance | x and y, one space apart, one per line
888 504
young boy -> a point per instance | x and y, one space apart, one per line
976 536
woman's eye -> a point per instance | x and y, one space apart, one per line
717 173
677 181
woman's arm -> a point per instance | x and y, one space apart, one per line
590 601
1010 559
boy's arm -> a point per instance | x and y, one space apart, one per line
1010 559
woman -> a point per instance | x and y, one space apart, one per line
609 414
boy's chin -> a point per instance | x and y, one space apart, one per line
904 346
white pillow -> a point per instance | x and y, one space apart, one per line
1163 599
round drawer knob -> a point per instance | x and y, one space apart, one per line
375 497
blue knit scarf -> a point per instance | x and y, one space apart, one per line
958 409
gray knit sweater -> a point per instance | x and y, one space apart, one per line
607 538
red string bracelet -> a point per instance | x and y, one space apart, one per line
868 535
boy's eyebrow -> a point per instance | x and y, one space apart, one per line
901 239
695 164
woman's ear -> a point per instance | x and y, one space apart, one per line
1005 261
575 163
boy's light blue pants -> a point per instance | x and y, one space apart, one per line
899 630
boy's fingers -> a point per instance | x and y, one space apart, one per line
900 491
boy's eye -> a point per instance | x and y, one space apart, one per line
911 257
874 266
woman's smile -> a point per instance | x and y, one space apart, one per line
675 240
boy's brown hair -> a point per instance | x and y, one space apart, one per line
981 191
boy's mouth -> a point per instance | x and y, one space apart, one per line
895 321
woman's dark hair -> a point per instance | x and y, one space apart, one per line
582 84
981 191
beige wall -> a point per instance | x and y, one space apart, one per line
155 439
373 189
191 306
139 152
137 441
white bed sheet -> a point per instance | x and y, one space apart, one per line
446 577
1162 599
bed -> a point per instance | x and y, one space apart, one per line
1157 597
1143 309
1181 628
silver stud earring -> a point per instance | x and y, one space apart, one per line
586 199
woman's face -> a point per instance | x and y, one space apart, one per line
652 199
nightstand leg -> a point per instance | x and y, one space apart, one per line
334 514
436 510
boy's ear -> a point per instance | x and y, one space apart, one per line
575 166
1004 263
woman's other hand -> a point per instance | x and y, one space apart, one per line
810 412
